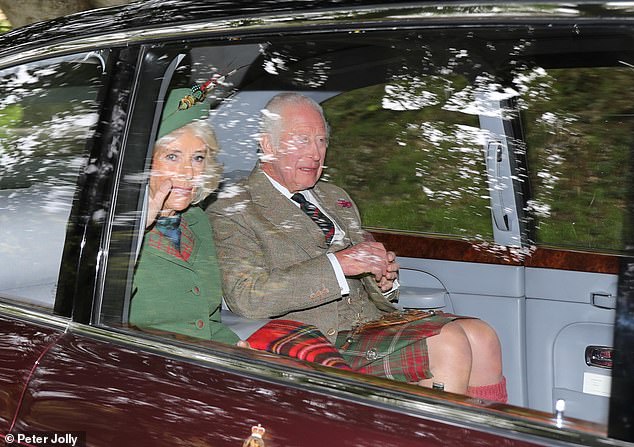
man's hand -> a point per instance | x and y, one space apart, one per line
369 257
387 281
155 204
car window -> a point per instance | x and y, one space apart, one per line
407 138
48 113
411 162
405 141
580 141
411 117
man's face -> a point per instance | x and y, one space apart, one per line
297 162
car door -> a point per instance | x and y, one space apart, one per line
102 382
48 117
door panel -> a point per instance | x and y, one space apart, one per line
120 395
21 344
561 321
533 310
493 293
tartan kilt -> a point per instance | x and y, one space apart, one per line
397 352
297 340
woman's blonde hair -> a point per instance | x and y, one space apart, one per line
213 170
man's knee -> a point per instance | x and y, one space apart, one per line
482 337
452 341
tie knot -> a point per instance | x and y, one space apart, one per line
299 198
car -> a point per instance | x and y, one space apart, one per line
488 144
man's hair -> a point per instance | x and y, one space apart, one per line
271 123
213 170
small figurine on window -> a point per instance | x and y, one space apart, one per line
255 440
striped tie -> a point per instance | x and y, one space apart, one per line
322 221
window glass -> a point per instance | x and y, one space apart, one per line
405 139
48 112
579 131
410 163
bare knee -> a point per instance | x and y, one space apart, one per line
450 358
451 344
486 351
481 336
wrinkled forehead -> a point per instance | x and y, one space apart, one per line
302 118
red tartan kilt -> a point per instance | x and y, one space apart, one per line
297 340
396 352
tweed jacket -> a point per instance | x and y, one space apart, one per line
180 294
273 258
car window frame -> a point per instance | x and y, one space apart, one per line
207 38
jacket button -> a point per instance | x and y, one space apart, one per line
371 354
200 324
332 331
196 290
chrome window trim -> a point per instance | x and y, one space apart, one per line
104 246
367 17
22 312
506 421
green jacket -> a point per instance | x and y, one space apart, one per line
180 293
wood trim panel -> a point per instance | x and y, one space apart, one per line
434 247
573 260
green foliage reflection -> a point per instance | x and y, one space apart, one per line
579 136
420 169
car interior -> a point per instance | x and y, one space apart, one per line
452 126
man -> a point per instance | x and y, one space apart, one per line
292 246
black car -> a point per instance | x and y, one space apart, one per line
489 144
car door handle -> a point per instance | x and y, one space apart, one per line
599 356
603 300
422 297
494 159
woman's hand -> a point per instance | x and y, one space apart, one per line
157 200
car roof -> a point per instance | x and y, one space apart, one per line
158 13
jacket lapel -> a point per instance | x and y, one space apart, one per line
345 217
284 215
187 236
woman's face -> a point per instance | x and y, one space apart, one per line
179 158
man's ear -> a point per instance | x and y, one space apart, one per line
266 144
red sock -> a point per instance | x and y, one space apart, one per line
495 392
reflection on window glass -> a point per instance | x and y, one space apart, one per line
410 163
48 111
579 140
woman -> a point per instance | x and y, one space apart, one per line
176 283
